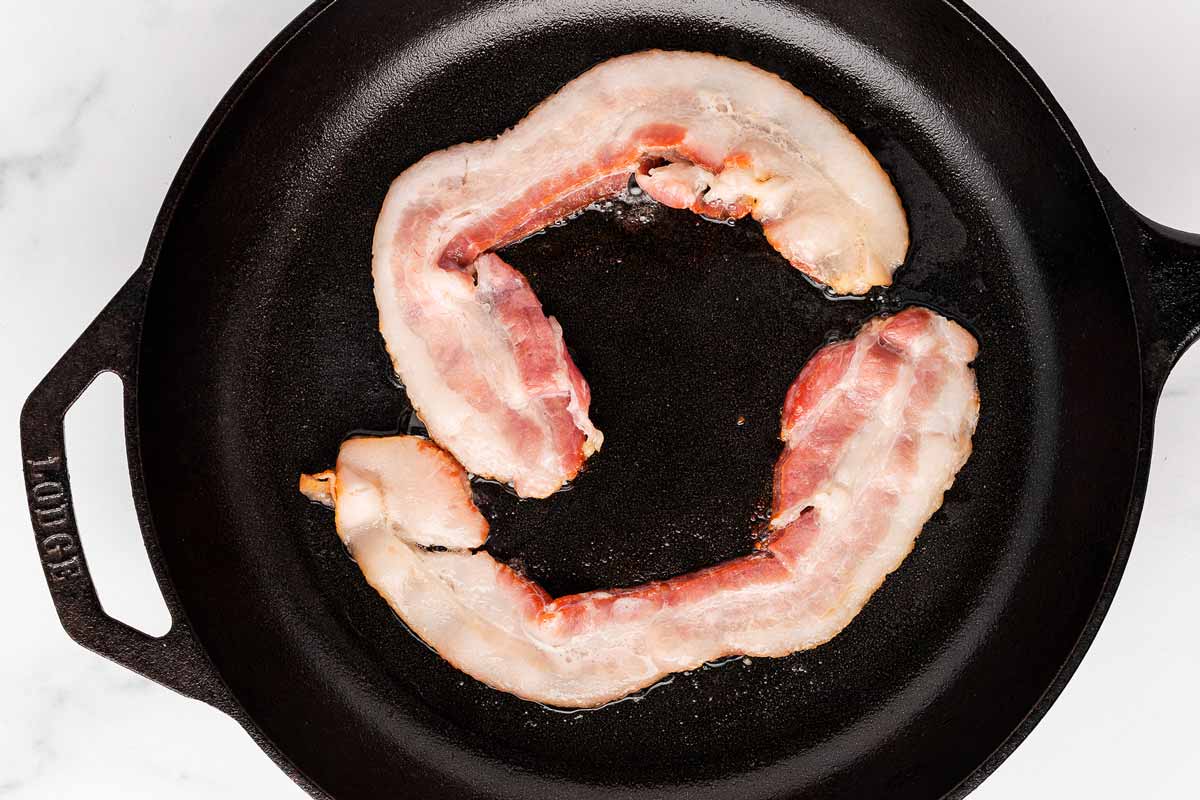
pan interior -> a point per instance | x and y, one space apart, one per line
261 353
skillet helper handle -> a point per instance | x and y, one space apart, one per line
109 344
1172 286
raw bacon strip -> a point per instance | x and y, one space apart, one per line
874 431
484 367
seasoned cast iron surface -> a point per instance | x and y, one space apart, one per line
261 353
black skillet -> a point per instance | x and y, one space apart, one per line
247 343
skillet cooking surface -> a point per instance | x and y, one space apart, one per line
260 353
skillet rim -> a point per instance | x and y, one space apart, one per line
1110 203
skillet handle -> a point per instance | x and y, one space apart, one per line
109 344
1170 303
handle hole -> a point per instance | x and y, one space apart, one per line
103 503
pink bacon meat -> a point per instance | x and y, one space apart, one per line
482 364
874 431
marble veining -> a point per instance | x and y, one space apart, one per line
57 152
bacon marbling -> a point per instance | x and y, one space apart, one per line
874 431
482 364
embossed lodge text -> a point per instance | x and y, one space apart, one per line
51 509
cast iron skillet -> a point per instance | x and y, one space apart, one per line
247 343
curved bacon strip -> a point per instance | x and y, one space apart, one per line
875 430
483 366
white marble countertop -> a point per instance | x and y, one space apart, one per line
99 102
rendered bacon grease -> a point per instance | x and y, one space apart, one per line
874 431
485 369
